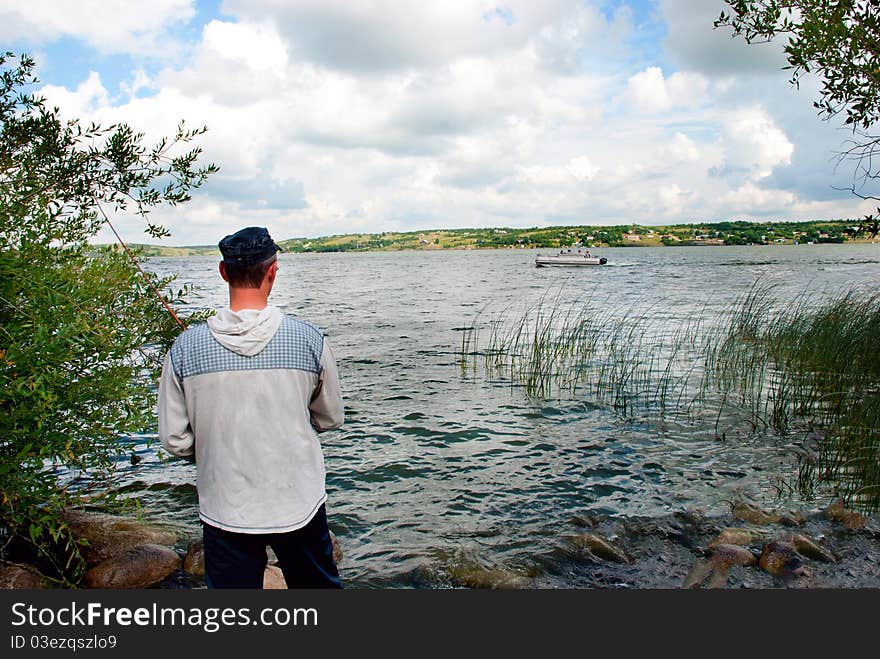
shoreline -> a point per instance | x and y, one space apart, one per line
153 251
717 234
743 547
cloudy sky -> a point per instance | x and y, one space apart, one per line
341 116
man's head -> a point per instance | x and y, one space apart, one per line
248 255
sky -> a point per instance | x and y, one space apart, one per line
350 116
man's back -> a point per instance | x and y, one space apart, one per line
253 404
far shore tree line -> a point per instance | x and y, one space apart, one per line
629 235
721 233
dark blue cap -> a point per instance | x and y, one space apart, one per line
248 246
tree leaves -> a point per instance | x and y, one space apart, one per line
839 41
836 39
81 329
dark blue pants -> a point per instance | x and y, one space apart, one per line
238 560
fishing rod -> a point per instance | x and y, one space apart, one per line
141 270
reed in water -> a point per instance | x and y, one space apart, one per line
806 373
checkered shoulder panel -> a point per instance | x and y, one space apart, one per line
296 345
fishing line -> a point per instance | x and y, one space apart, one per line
141 270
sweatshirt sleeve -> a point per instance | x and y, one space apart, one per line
326 406
174 429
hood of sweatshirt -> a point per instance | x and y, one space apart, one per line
246 331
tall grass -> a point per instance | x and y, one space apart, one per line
564 346
811 369
807 373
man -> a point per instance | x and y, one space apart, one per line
245 396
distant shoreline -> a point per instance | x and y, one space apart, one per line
733 233
150 251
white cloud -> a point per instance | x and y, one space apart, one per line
650 92
109 26
582 168
749 200
754 145
235 64
681 149
647 91
88 99
259 47
566 176
563 45
387 35
671 201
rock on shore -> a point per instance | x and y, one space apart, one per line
110 535
138 567
19 577
194 561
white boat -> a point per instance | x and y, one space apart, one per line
569 257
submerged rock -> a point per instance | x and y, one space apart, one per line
15 576
701 570
708 573
137 567
849 519
714 570
718 578
600 547
464 568
111 535
735 536
472 575
810 548
781 558
729 555
754 515
694 516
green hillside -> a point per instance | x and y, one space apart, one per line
628 235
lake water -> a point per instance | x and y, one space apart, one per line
434 464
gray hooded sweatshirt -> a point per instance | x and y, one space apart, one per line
245 394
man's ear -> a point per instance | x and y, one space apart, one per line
223 271
272 271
